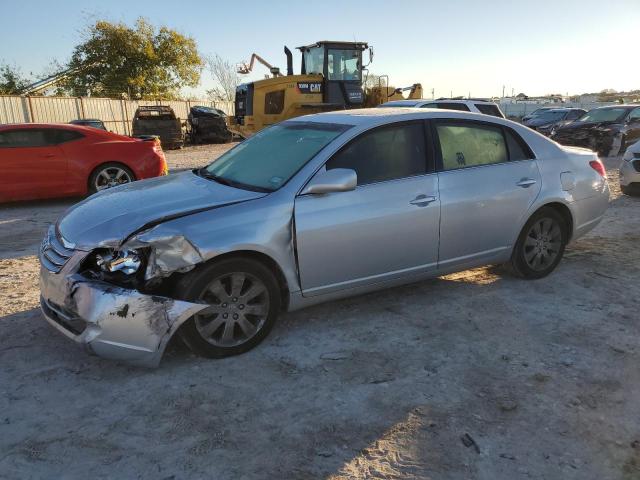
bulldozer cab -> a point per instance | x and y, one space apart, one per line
340 63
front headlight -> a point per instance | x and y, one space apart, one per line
125 261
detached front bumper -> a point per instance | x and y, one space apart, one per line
110 321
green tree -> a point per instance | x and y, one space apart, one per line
12 81
116 60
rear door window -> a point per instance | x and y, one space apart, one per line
58 136
489 109
467 144
385 153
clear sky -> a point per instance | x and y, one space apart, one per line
455 46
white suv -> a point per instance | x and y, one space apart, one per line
476 105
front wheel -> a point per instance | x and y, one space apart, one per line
244 302
540 245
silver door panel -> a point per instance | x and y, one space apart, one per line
482 209
374 233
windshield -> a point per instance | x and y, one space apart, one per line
268 159
604 115
551 115
314 60
344 65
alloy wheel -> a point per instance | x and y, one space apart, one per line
239 306
111 177
542 244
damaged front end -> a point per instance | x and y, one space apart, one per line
109 299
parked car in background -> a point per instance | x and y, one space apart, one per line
553 118
89 122
606 130
312 209
536 112
630 170
60 160
469 105
207 124
159 121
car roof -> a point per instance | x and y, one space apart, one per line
406 102
64 126
461 100
413 102
374 116
626 107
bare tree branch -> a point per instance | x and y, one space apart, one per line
225 77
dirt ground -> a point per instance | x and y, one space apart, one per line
475 375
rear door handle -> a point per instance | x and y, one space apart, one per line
526 182
423 200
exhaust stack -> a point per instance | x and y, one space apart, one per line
287 52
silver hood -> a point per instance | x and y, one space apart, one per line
109 217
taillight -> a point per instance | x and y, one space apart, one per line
598 167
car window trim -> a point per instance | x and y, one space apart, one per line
429 163
438 150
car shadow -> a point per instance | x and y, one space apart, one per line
430 380
24 224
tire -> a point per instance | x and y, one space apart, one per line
540 245
227 328
117 172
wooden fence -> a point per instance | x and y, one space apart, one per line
116 114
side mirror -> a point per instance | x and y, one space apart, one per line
336 180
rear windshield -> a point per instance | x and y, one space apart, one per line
489 109
159 113
268 159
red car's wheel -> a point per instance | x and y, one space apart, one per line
109 175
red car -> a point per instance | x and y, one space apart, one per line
60 160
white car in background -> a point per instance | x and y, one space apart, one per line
630 171
476 105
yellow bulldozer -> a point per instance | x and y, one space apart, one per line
332 77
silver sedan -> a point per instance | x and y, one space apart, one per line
309 210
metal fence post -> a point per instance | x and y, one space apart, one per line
127 129
31 116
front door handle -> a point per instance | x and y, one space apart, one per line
423 200
526 182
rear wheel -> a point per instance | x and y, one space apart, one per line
109 175
540 245
244 302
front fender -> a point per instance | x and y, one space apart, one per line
264 226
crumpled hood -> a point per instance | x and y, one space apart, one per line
109 217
